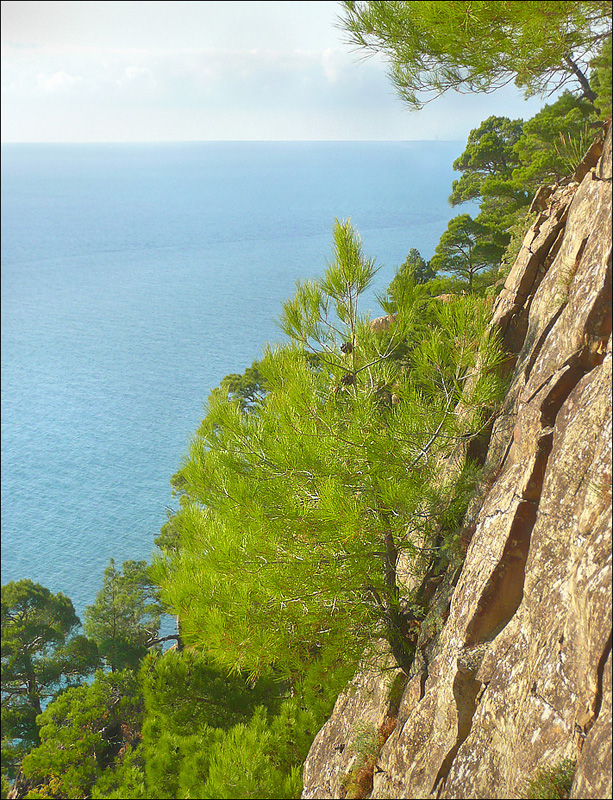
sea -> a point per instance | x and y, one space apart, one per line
134 278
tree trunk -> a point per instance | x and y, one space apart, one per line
32 686
397 627
581 77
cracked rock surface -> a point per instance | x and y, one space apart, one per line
520 678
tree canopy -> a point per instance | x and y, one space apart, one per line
297 513
81 732
207 734
41 655
249 387
415 269
125 618
489 155
465 249
553 142
432 47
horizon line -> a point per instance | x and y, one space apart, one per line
223 141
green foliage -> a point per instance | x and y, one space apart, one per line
601 79
188 705
432 47
260 759
487 166
448 516
81 732
248 388
173 760
169 535
539 148
415 269
207 734
489 152
465 249
503 164
264 757
184 691
127 779
554 783
572 148
445 285
125 618
41 655
296 513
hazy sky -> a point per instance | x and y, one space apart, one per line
167 71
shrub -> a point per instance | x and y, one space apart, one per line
553 783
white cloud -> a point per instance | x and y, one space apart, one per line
331 64
111 68
136 78
134 73
58 81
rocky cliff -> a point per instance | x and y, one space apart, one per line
519 677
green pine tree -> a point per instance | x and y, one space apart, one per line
295 516
467 248
42 654
125 617
554 141
81 732
440 45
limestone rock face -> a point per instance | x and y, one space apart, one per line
359 714
520 678
382 323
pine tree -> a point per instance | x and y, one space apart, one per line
249 387
125 618
435 46
489 155
191 707
42 653
487 166
295 515
249 760
414 269
467 248
81 732
554 141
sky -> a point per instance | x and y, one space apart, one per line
191 71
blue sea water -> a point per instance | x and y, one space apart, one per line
134 277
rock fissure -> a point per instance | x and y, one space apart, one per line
544 700
540 342
559 393
465 691
573 358
599 687
504 591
